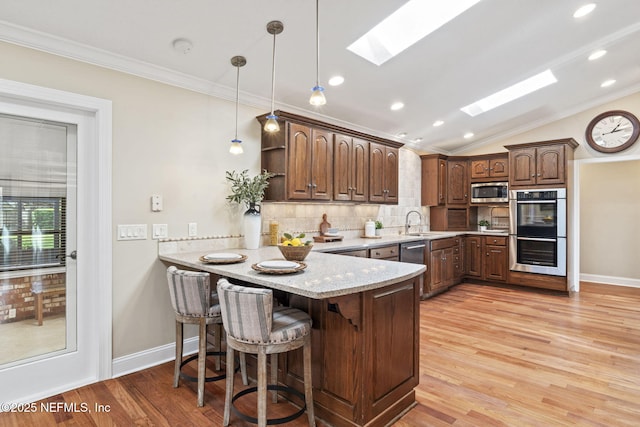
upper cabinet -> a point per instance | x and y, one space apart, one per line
457 182
541 163
490 168
434 180
383 177
318 161
350 169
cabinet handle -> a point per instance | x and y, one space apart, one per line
539 174
309 185
533 176
315 185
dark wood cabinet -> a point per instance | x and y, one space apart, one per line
383 176
350 169
487 258
318 161
434 180
457 182
540 164
445 266
309 163
444 218
490 169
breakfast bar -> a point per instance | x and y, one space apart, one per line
365 337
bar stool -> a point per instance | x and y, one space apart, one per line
254 326
194 303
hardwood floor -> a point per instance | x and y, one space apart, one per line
489 356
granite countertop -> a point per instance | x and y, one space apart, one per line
326 275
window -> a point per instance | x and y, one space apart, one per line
33 234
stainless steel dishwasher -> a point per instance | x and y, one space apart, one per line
414 253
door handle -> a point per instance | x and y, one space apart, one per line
73 255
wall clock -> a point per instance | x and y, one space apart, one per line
613 131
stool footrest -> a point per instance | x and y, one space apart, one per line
272 421
207 379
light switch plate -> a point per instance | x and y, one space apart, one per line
160 231
132 232
193 229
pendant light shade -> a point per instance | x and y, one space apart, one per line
317 95
236 144
271 125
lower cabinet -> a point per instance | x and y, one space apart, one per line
487 258
445 265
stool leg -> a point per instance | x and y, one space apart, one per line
229 389
217 343
262 387
274 376
176 370
202 359
243 368
308 386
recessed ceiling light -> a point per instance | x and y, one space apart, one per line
404 27
607 83
438 123
516 91
597 54
336 81
401 135
397 106
417 140
468 135
584 10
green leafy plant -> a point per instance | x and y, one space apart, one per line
245 189
378 225
484 223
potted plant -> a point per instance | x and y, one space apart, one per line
250 192
378 227
483 223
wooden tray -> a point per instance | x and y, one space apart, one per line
324 239
223 261
300 267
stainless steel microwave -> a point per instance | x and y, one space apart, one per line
490 192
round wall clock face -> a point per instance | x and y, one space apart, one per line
613 131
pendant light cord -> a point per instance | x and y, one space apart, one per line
317 43
237 96
273 74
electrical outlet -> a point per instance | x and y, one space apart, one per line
12 313
193 229
160 231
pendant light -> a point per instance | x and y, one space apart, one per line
237 61
271 125
317 95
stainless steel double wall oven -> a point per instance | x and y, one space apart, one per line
538 231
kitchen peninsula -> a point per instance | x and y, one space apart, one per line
365 338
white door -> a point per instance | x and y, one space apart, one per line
54 335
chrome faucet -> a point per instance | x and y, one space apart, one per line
407 224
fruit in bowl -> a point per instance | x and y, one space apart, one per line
295 248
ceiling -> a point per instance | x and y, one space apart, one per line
491 46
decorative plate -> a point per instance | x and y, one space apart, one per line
222 258
279 267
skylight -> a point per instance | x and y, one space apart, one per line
516 91
404 27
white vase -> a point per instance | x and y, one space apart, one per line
252 226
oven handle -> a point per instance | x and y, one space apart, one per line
535 201
537 239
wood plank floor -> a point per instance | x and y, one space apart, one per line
489 356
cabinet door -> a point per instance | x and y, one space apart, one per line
321 165
457 191
522 163
299 162
342 159
391 175
437 263
480 169
449 267
496 262
474 256
550 165
376 176
360 171
499 168
442 181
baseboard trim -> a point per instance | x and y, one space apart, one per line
610 280
152 357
